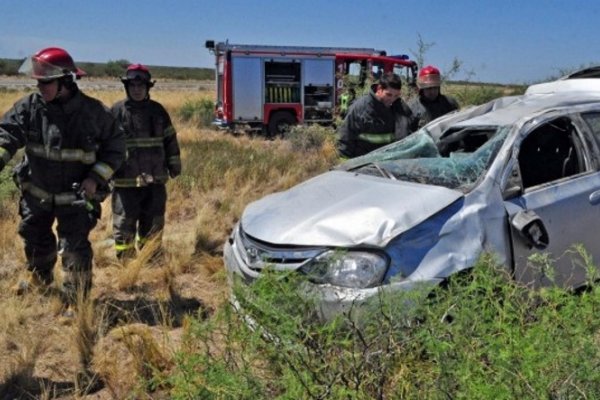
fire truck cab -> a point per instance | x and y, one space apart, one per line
269 88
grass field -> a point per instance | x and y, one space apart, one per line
143 304
164 330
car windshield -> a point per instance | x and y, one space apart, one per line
456 161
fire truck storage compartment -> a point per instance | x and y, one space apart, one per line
282 81
246 84
318 83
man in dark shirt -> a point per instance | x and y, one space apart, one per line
72 148
140 195
375 119
430 103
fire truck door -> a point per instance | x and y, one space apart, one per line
247 88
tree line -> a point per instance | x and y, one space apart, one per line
116 68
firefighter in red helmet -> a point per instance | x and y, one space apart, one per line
140 195
430 103
72 148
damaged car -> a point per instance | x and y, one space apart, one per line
513 177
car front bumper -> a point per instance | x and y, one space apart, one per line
332 301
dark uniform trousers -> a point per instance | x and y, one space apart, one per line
138 210
73 227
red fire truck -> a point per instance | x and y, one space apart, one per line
268 88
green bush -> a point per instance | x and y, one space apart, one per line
309 137
480 94
200 112
505 341
116 68
8 190
480 336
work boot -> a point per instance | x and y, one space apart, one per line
33 281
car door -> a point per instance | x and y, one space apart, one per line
558 204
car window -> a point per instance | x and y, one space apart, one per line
550 152
593 121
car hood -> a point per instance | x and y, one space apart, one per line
344 209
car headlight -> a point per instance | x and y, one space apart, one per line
351 269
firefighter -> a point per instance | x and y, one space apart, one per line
140 195
430 103
375 119
72 148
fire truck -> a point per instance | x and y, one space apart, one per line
269 88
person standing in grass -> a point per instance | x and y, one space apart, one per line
139 197
375 119
72 148
430 103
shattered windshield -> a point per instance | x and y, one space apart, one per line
456 161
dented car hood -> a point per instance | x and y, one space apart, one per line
341 208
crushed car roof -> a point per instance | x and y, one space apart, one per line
537 99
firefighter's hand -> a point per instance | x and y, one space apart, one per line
89 187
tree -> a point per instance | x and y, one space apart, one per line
116 67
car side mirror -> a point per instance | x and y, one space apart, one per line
531 229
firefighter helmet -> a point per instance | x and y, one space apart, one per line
137 72
51 63
429 77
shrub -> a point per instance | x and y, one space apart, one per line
309 137
8 190
200 112
116 68
480 94
480 336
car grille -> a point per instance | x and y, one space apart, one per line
258 254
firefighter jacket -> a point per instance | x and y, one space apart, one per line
425 111
152 148
64 144
369 125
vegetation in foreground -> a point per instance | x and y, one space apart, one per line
481 336
158 330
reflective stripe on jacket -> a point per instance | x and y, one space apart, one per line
152 148
377 138
64 143
369 125
58 199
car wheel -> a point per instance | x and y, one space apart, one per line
280 123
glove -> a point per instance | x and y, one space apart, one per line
89 187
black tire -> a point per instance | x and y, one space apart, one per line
280 123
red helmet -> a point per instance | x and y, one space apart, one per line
51 63
137 72
429 77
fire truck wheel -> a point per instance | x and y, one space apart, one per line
280 123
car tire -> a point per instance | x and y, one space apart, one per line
280 123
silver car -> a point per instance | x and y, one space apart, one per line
516 176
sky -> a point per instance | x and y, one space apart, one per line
497 41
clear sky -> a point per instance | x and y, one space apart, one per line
504 41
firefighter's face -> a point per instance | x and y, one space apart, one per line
48 89
431 93
388 95
138 90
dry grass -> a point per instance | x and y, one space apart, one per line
136 317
